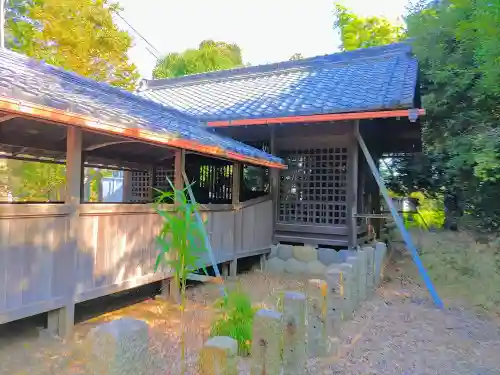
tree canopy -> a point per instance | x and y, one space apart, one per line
296 56
456 42
358 32
209 56
77 35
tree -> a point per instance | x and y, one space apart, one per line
357 32
77 35
210 56
296 56
456 44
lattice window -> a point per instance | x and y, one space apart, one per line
212 179
314 188
141 186
161 173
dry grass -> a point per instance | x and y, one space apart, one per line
464 271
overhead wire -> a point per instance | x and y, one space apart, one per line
153 51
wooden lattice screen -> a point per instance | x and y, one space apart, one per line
141 191
160 181
212 179
314 188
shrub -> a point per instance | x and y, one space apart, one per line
235 319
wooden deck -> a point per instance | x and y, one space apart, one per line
115 249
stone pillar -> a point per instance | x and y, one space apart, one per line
317 318
119 347
294 333
266 343
219 356
362 262
336 303
370 270
354 262
349 289
380 251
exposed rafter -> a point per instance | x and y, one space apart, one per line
7 117
106 144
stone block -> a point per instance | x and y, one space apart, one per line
328 256
315 268
285 252
275 265
305 254
294 333
266 343
317 318
274 251
344 254
295 267
119 347
219 356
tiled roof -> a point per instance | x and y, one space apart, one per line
363 80
36 82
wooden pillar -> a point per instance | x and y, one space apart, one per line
238 224
179 167
274 175
352 185
61 321
127 187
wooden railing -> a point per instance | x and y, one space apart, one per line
115 249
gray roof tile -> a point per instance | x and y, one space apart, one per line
370 79
34 81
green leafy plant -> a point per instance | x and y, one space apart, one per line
235 319
181 243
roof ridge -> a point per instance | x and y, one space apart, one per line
283 66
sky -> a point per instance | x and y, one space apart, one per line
266 30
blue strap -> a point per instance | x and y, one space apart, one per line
400 225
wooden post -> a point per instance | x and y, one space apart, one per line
238 235
274 175
352 185
127 187
179 165
61 321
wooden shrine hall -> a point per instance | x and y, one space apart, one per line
274 153
311 113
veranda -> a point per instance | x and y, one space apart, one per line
69 248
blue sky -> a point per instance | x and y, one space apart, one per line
266 30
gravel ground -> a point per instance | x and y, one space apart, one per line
397 331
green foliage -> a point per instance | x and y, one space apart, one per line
31 181
210 56
181 241
431 212
235 319
296 56
357 32
456 44
77 35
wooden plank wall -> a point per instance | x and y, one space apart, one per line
34 258
116 250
